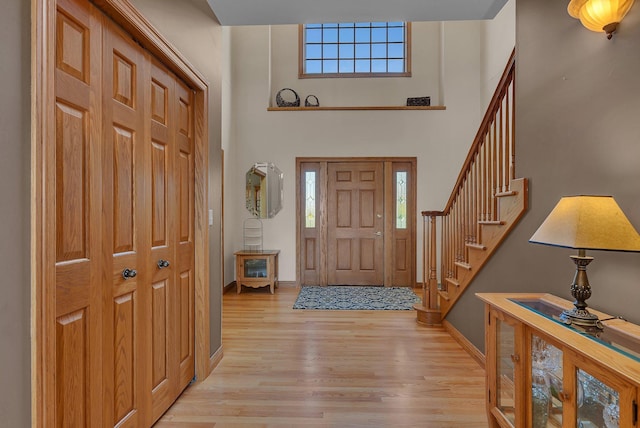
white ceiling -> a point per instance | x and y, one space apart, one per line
272 12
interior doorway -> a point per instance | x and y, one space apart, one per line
356 222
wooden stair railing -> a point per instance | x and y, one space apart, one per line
486 203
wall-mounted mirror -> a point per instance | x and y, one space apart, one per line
264 190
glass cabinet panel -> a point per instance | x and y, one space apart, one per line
597 403
546 383
255 268
505 352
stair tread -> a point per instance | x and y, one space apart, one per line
492 222
453 281
444 295
477 246
463 265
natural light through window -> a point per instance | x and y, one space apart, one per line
310 199
350 49
401 200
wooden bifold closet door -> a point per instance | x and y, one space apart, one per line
124 226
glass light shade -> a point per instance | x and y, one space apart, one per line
590 223
600 15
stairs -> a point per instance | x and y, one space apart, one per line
511 207
486 203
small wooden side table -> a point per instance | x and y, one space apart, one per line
257 269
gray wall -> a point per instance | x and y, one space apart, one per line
577 132
193 29
14 213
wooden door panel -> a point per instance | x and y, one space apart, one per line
343 208
367 254
159 331
185 228
401 250
72 377
124 79
124 170
77 202
368 209
164 354
127 300
73 38
344 255
400 235
125 396
185 305
311 217
355 207
71 183
159 186
310 246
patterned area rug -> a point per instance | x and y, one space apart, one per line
341 297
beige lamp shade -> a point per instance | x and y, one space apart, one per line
590 223
600 15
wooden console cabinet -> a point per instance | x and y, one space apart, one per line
257 269
542 373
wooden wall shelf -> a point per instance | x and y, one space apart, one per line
357 108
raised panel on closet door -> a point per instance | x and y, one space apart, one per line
75 171
185 230
125 232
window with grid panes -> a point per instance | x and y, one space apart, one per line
355 49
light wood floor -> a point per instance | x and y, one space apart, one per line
306 368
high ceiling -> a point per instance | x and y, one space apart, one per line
272 12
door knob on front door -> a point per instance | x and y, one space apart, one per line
378 233
129 273
163 263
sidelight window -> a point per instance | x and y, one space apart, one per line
401 200
310 199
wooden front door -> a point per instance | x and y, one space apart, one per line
124 203
355 223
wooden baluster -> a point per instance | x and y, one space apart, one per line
485 178
494 171
499 149
512 142
474 196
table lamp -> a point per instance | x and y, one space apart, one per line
586 223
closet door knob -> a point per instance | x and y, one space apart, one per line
163 263
129 273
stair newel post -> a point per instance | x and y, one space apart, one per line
428 311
